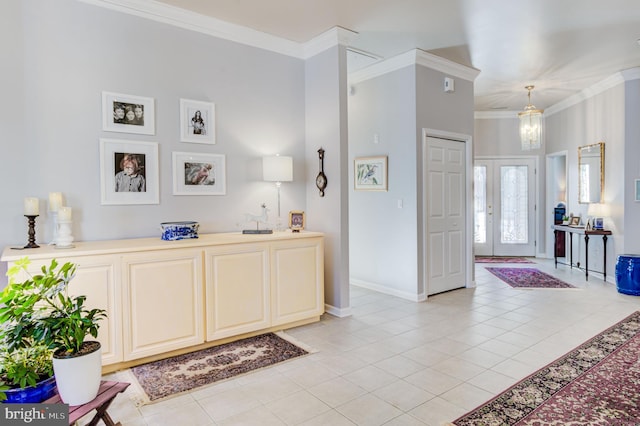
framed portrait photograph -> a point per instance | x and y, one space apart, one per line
129 172
197 121
575 221
296 220
199 174
370 173
128 114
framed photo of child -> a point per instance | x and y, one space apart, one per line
128 114
197 122
129 172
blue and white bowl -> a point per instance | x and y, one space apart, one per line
172 231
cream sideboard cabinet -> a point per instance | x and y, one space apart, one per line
168 297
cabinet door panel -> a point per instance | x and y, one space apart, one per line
97 277
237 299
297 280
163 302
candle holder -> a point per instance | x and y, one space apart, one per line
64 237
32 231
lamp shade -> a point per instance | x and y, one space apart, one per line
277 168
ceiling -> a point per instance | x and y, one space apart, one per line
560 46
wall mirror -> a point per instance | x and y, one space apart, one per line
591 173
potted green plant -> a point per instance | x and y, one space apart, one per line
40 309
26 374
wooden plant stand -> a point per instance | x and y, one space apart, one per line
106 394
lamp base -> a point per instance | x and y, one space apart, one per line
257 231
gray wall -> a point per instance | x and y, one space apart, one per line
385 240
631 213
57 59
326 122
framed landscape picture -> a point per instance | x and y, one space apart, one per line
129 172
128 114
370 173
199 174
197 122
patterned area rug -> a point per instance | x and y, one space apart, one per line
181 373
528 278
594 384
501 259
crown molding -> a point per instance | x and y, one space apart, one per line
414 57
160 12
330 38
446 66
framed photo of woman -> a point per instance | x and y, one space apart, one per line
197 122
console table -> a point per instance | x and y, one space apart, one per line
559 229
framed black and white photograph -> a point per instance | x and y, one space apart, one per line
129 172
128 114
199 174
370 173
197 122
296 220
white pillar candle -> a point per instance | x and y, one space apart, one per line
64 214
55 201
31 206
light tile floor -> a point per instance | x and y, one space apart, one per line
396 362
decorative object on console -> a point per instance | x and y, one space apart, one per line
128 114
55 202
197 121
321 179
575 221
199 174
64 237
129 172
172 231
31 211
370 173
277 169
530 125
296 220
262 218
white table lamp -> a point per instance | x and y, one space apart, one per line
278 169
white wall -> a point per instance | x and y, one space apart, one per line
57 59
383 249
631 244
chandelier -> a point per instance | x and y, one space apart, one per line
530 125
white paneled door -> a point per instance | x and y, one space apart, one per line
445 215
504 207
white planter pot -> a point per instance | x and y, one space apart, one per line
78 378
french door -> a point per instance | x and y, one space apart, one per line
504 207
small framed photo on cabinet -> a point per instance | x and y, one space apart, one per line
296 220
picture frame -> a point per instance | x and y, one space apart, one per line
197 122
575 221
199 174
637 187
129 172
128 114
370 173
296 220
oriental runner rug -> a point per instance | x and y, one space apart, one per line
528 278
502 259
594 384
160 379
